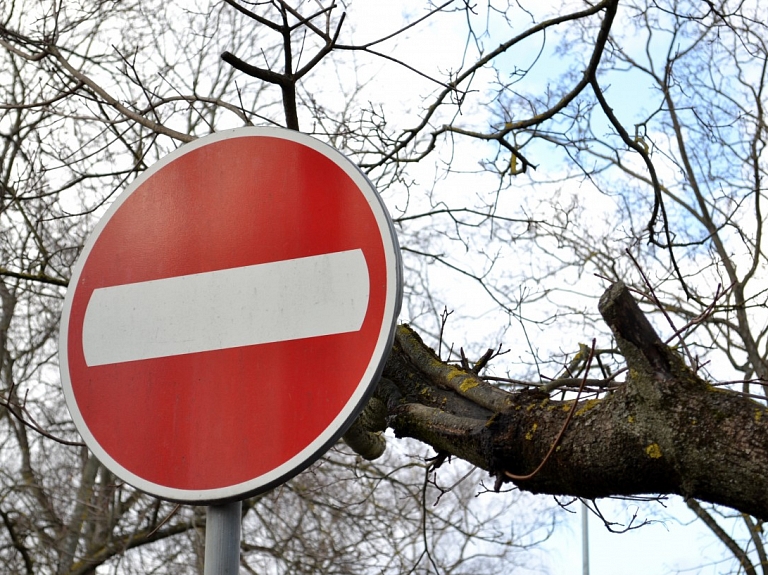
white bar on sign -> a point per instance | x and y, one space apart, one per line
264 303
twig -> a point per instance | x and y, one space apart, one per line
165 520
659 305
33 426
703 315
443 320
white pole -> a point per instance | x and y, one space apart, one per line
584 539
222 539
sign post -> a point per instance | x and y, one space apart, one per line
222 539
229 316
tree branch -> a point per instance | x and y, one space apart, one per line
720 533
664 430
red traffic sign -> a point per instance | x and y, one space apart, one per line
229 315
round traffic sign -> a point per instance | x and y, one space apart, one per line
229 315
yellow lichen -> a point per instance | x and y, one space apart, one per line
529 435
567 407
587 406
631 419
653 451
453 372
468 384
758 415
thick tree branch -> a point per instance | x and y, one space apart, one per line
665 430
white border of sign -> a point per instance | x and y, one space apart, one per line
335 430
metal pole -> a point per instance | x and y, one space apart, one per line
222 539
584 539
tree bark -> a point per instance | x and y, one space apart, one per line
664 431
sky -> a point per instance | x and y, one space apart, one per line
673 543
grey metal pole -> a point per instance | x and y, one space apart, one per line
584 539
222 539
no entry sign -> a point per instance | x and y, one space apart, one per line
229 315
